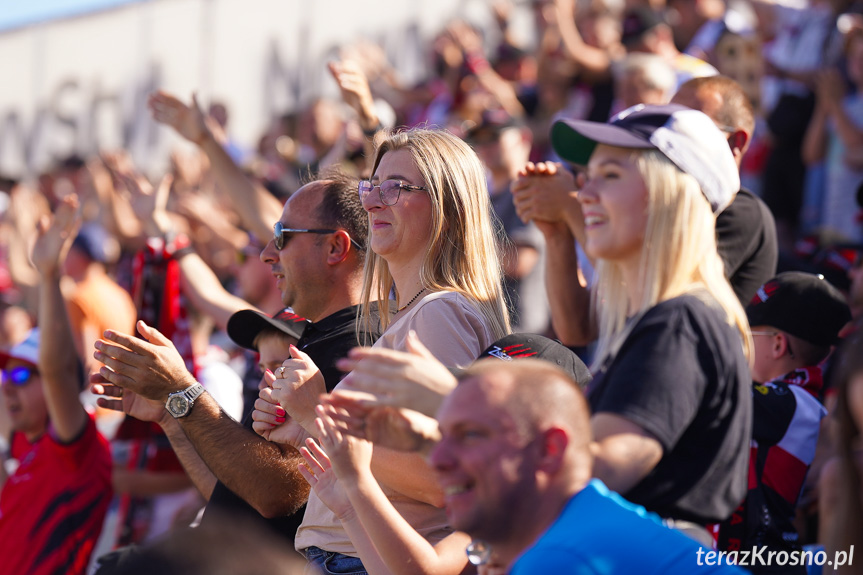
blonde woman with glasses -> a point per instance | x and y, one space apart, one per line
432 261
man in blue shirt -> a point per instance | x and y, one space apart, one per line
515 463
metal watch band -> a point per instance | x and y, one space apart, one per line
180 403
193 391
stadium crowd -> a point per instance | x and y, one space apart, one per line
588 305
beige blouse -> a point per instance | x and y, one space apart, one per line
454 330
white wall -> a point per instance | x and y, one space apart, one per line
79 84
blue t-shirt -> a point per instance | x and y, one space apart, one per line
600 533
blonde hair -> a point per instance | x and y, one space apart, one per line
462 252
678 256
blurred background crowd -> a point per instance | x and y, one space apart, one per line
499 83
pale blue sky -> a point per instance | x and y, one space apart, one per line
17 13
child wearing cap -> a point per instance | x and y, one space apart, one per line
796 318
670 396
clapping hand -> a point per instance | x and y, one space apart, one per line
395 428
414 379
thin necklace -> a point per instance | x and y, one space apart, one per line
413 299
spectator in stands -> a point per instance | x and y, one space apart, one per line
320 276
432 245
503 145
644 30
835 136
97 302
515 462
643 79
745 230
841 486
656 178
796 318
53 505
746 233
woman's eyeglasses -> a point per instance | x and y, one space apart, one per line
389 190
17 376
281 235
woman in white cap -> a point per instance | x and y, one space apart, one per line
671 394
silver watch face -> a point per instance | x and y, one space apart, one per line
178 405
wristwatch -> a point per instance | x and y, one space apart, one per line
180 403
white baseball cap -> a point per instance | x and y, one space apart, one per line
687 137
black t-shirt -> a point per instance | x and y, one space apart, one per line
746 240
325 342
681 376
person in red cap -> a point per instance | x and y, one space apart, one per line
53 505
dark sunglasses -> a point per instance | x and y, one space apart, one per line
389 190
17 376
281 235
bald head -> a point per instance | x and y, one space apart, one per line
535 394
515 446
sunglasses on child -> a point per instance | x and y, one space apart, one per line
17 376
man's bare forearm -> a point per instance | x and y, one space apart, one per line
198 472
261 472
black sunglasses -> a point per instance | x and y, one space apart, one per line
17 376
280 237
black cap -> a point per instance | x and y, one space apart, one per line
637 22
834 262
800 304
489 129
91 241
522 345
244 326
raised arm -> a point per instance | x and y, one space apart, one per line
831 90
199 282
469 41
257 208
58 362
568 294
545 194
594 62
261 472
204 290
